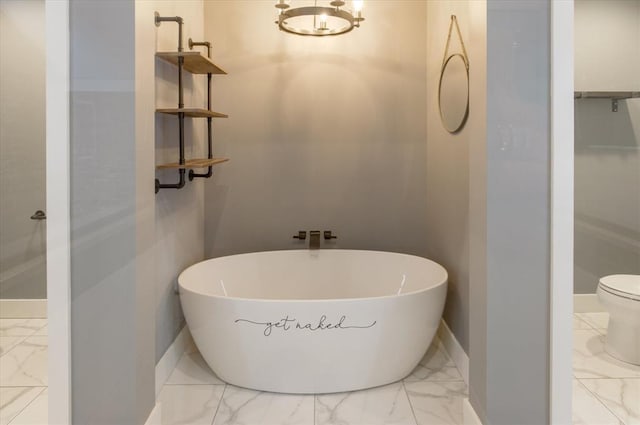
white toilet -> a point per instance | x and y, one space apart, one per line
620 295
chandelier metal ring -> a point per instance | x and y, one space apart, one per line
349 20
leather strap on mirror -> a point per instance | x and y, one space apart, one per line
454 21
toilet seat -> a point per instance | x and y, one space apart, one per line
622 285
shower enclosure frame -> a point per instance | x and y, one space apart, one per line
58 209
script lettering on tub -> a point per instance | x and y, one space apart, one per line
290 323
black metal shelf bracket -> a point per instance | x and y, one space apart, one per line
181 172
178 185
209 173
160 19
181 115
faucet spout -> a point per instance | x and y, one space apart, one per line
314 239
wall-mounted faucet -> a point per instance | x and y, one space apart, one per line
314 239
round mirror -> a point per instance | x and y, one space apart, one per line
453 93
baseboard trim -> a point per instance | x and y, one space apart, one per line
586 303
455 350
23 309
155 417
469 415
171 357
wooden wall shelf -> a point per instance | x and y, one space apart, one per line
193 163
192 112
194 62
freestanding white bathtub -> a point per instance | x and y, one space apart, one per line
313 321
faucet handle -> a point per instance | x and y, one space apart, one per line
302 235
328 235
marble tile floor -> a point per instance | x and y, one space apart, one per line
23 372
605 390
431 395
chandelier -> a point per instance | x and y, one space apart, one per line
319 20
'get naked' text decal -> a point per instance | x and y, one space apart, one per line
289 323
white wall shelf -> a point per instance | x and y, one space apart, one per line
615 96
605 94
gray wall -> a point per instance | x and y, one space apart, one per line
22 150
128 244
177 215
607 199
111 317
509 344
448 168
607 32
323 133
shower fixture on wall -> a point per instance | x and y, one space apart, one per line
319 20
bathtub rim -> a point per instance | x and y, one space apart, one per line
444 280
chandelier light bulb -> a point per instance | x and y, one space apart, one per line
357 5
323 21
